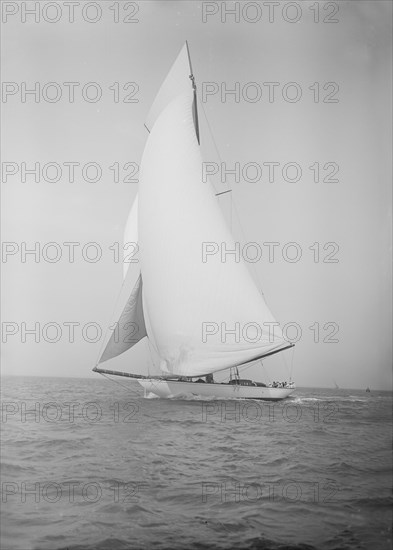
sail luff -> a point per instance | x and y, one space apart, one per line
178 80
128 324
195 102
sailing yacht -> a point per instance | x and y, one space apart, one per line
170 294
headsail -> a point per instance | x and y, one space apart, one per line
128 323
178 212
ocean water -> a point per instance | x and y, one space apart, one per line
90 464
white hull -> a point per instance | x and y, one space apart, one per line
175 388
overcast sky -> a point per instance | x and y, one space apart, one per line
353 134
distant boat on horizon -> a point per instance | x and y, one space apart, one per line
337 387
169 292
368 389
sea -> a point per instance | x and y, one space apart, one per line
90 464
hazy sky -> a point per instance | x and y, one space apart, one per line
353 134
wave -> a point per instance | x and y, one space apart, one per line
376 503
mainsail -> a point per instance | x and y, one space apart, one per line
127 315
201 315
178 81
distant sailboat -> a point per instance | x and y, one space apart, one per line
367 389
336 385
169 293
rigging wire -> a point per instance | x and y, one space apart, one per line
219 158
291 368
210 130
106 339
117 382
151 348
233 209
266 372
235 214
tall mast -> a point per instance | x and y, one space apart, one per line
195 103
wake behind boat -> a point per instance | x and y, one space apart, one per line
198 314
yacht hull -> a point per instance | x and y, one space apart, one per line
175 388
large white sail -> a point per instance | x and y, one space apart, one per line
177 213
129 322
176 83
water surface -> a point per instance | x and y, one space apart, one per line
90 464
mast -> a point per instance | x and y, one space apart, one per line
195 103
179 80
